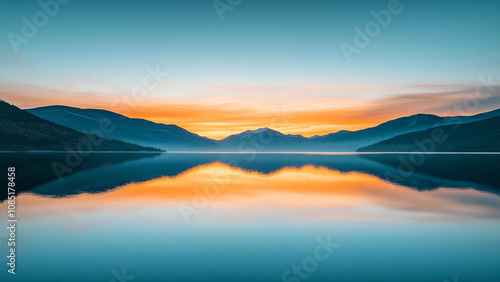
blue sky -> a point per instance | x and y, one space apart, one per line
258 44
261 41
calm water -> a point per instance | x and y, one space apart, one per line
268 217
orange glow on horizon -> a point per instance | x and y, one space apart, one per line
219 188
218 123
216 114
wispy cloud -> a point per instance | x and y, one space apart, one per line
220 111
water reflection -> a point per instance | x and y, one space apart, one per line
250 218
34 169
229 193
349 183
102 172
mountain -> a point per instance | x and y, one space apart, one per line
350 141
478 136
264 139
138 131
345 141
22 131
175 138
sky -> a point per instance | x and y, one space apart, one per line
221 67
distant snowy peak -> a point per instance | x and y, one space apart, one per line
263 130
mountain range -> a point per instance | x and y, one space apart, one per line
66 128
22 131
483 135
138 131
174 138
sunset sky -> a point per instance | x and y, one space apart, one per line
272 63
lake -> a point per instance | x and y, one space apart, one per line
254 217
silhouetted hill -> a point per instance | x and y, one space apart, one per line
138 131
264 139
22 131
479 136
353 140
175 138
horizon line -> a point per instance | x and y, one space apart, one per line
243 153
265 127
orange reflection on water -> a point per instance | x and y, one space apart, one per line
306 191
225 185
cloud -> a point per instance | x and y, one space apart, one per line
441 100
216 113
